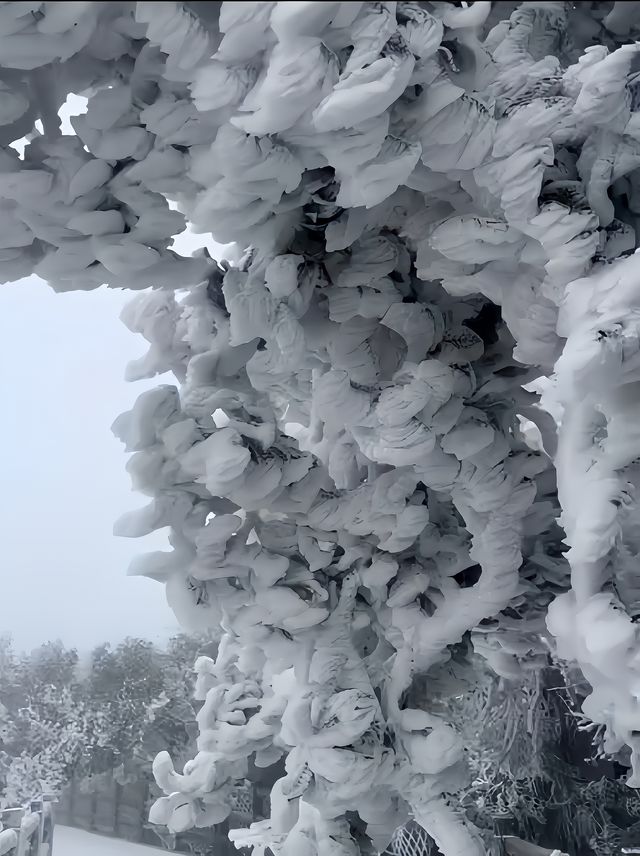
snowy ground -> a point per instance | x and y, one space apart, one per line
75 842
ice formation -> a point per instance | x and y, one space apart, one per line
434 205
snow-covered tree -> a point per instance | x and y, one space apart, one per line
44 723
428 203
146 716
58 724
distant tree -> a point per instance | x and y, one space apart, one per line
122 684
51 664
133 700
45 726
169 718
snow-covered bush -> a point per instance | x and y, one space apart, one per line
429 204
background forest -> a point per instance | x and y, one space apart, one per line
65 717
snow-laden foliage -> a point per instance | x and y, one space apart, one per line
430 202
45 725
108 717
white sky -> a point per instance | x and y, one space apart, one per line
62 360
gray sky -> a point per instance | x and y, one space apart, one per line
63 573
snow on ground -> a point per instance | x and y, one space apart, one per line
76 842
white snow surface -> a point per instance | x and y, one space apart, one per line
76 842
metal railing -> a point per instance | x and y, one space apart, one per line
28 830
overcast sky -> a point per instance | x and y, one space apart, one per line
62 358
